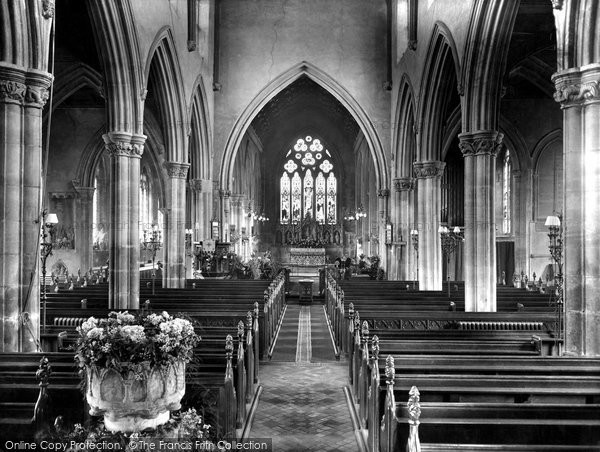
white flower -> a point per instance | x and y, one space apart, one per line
125 318
155 319
134 332
88 325
95 333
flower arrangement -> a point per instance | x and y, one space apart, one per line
128 342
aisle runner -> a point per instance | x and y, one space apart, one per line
303 406
303 344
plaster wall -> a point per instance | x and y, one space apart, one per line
261 39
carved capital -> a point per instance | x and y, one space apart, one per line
225 193
12 91
195 185
383 192
36 96
47 9
480 143
177 170
83 193
404 184
577 86
428 169
557 4
122 144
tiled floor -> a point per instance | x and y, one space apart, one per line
302 406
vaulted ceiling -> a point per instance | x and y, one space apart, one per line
532 53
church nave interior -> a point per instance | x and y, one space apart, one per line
330 224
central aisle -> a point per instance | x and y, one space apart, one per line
303 405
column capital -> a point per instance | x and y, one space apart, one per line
12 91
404 184
428 169
124 144
83 193
481 142
20 86
195 185
47 9
383 192
177 170
225 193
577 86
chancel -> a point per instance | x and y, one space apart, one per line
302 224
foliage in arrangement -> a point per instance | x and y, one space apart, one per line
370 266
183 426
127 342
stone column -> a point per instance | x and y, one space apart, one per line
175 231
225 214
196 207
520 195
577 90
479 150
404 188
125 150
22 97
83 226
429 176
383 196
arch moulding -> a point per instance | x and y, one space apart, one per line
303 69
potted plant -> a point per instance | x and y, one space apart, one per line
134 367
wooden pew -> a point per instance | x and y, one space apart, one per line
529 396
218 376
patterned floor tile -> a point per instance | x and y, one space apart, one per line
303 406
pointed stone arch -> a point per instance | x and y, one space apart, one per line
441 68
486 51
200 133
76 77
403 145
303 69
118 47
163 63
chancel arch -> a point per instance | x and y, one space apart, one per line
304 69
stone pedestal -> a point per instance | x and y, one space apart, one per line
479 150
429 176
22 96
577 90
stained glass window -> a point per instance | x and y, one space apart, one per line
506 194
296 198
312 191
308 194
320 197
285 198
331 199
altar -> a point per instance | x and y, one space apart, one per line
306 261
